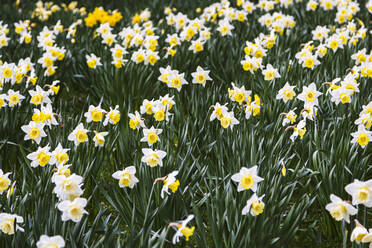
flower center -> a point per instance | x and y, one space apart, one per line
125 179
247 181
34 133
81 136
310 96
43 158
152 137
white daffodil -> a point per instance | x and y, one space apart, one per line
270 72
247 179
46 115
170 182
3 97
153 157
14 98
290 118
224 27
201 76
79 135
167 101
94 113
342 95
309 112
59 155
9 221
4 181
228 120
239 95
176 80
39 96
73 210
254 206
368 238
218 111
68 188
151 135
362 136
147 107
358 233
34 131
93 61
309 95
136 121
361 192
99 138
161 113
339 209
286 93
113 116
299 130
197 45
40 157
126 177
182 229
164 74
50 242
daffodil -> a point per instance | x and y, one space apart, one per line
228 120
342 95
254 206
239 95
299 130
270 72
93 61
40 157
290 118
182 229
50 242
164 74
3 97
147 107
99 138
34 131
358 233
153 157
151 135
309 95
59 155
362 136
113 116
218 111
361 192
94 114
339 209
169 182
201 76
10 221
197 45
68 187
73 210
224 27
4 181
79 135
286 93
14 98
167 101
126 177
247 179
176 80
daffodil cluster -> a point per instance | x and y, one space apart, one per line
248 180
360 191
